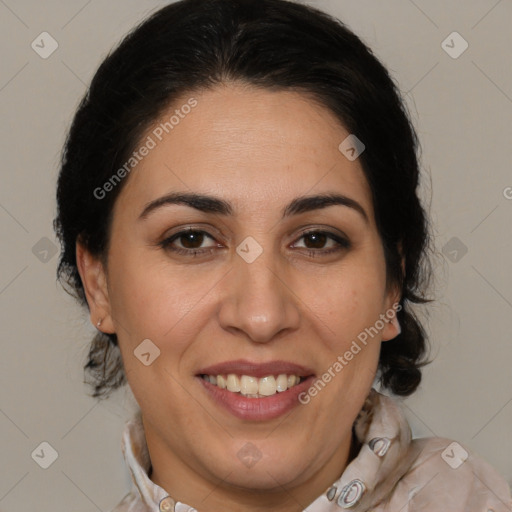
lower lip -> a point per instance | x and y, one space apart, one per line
257 409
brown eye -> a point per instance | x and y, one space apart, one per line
190 241
318 240
315 241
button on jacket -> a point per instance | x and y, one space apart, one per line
391 473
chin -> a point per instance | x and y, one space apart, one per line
251 469
263 477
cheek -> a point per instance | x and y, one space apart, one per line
134 290
151 298
350 301
154 298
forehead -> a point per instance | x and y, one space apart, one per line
255 147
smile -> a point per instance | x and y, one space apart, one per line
255 391
254 387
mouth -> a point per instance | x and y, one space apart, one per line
255 391
254 387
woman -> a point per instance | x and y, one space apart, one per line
236 213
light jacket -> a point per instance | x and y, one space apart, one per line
391 473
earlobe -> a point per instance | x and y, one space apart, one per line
396 324
94 281
393 327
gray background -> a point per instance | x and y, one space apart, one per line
462 108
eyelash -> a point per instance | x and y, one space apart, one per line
343 244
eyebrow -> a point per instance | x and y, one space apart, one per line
211 204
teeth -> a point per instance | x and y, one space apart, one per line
221 382
268 386
248 385
282 383
233 383
253 387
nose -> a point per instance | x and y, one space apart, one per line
258 302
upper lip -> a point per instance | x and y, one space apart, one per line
244 367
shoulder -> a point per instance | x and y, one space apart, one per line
446 475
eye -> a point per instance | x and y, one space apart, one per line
190 240
315 241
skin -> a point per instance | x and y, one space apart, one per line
257 149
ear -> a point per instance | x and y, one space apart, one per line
392 328
94 280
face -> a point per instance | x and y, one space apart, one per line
245 284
